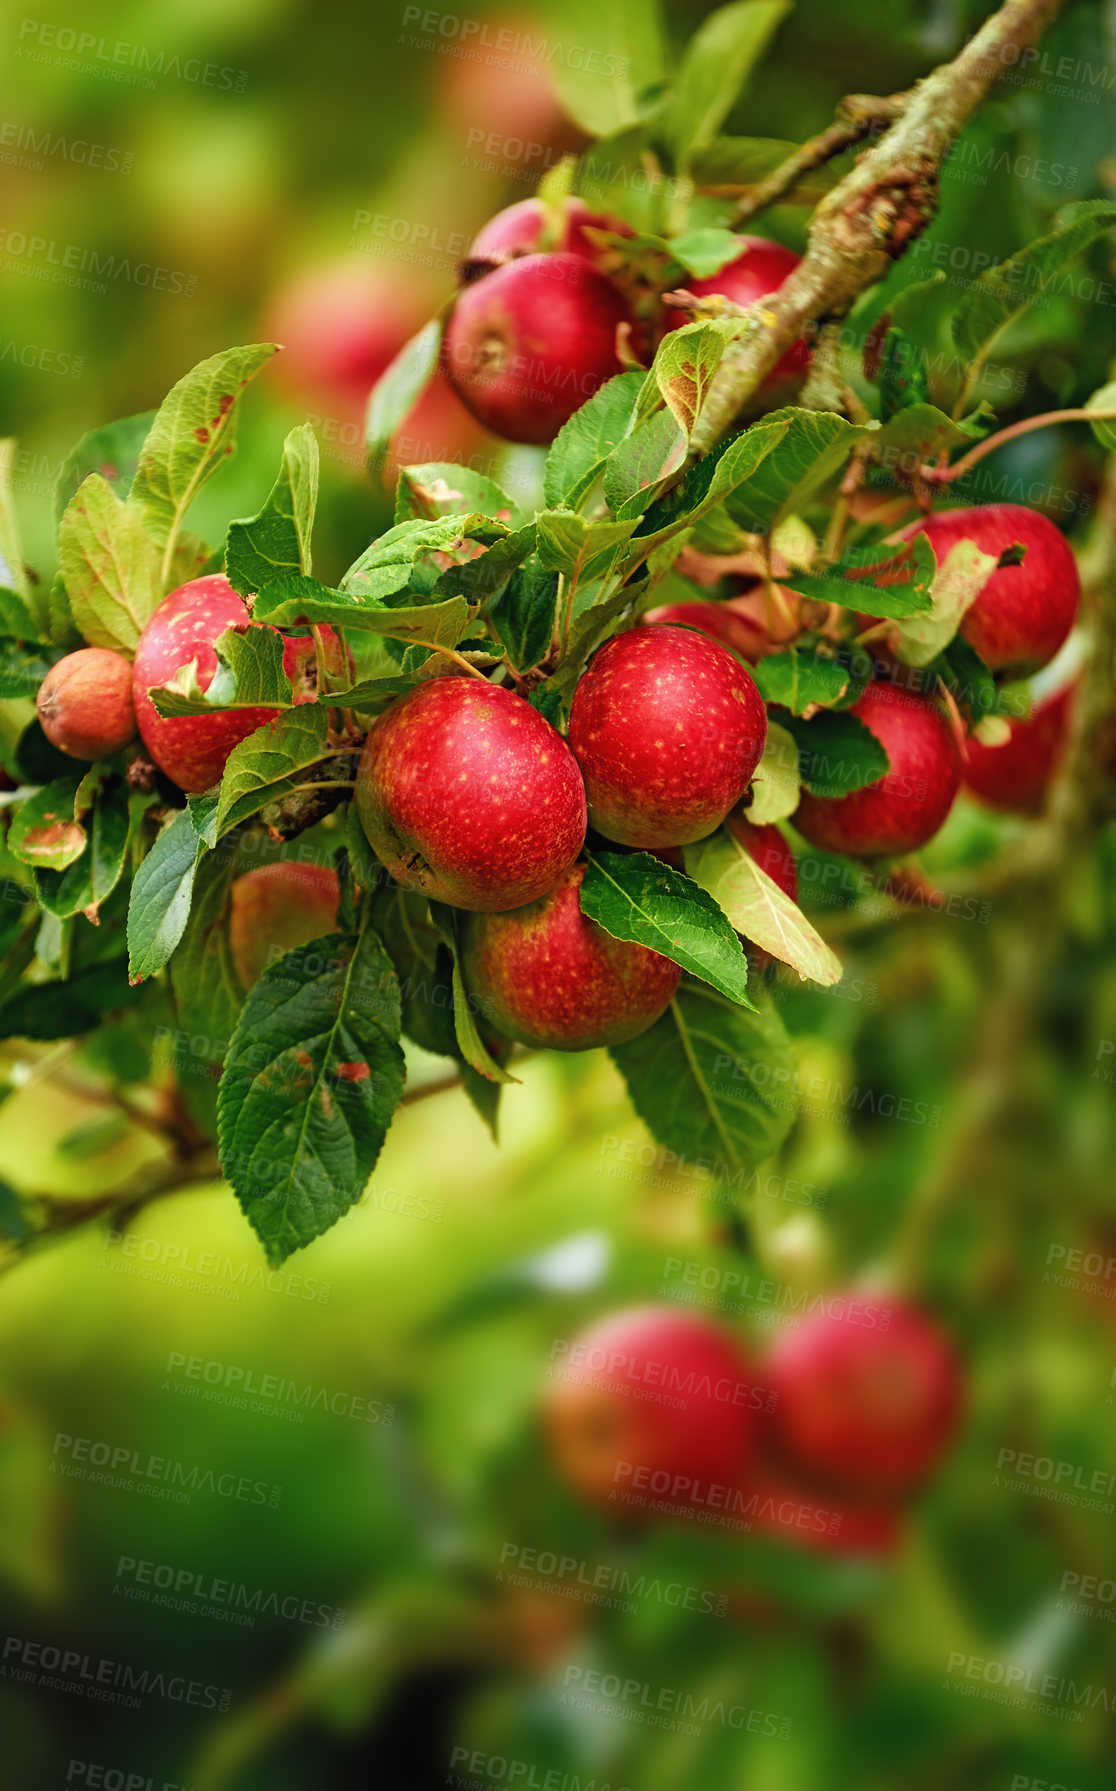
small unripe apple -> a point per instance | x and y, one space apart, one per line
1024 612
549 976
276 907
902 810
517 229
468 794
85 704
760 268
1017 775
863 1408
668 728
192 749
528 343
654 1399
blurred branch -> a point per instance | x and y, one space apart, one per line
858 115
875 213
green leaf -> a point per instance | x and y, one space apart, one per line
1002 293
734 166
718 60
160 901
266 765
450 923
684 366
913 567
920 429
193 432
113 450
705 252
387 565
619 54
16 618
797 678
523 615
67 1008
110 566
1105 432
811 446
582 551
836 753
776 785
481 579
640 464
249 675
85 884
277 540
759 909
439 488
960 579
575 460
208 994
712 1081
637 898
13 574
398 388
313 1075
22 668
45 831
423 624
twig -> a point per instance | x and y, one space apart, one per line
945 475
857 117
873 215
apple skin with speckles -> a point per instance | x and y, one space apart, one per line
902 810
1017 775
469 795
867 1410
192 749
517 229
624 1451
85 704
1024 612
528 343
275 908
759 269
668 728
549 976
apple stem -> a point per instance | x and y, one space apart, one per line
945 475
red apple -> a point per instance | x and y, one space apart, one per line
192 749
668 728
340 325
760 268
867 1410
780 1505
528 343
720 622
85 704
517 230
652 1403
1024 612
469 795
901 811
548 976
275 908
1017 775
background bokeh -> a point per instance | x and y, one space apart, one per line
358 1430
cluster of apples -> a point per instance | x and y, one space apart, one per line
823 1440
541 322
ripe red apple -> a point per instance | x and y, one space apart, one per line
528 343
1017 775
868 1410
720 622
901 811
548 976
339 326
1024 612
275 908
654 1403
517 229
192 749
760 268
469 794
779 1504
668 728
85 704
